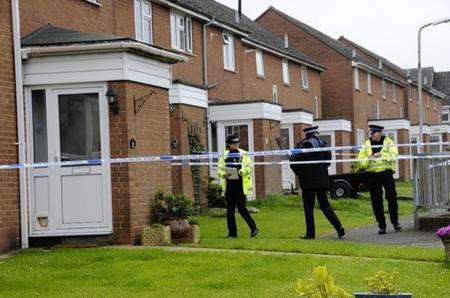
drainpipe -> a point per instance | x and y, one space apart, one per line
20 122
205 83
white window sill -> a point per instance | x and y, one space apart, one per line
230 70
260 77
369 93
286 84
357 89
181 51
305 89
384 97
395 101
93 2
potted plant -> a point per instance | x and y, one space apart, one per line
321 285
156 234
194 230
383 285
444 234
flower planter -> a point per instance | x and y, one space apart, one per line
155 236
179 227
368 295
194 234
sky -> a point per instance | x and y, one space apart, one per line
387 27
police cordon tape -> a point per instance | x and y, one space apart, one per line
184 159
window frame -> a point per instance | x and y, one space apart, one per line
383 89
369 83
285 71
394 92
229 58
179 42
316 107
357 84
410 97
304 77
275 93
141 19
259 60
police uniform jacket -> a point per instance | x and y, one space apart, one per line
312 176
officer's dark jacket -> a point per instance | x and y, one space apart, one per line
312 176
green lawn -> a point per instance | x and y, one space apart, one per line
114 272
281 221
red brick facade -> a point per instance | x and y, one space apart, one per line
9 180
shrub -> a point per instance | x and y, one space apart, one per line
321 285
213 193
383 283
193 220
157 226
168 205
217 212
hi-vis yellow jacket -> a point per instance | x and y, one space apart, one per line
387 161
246 172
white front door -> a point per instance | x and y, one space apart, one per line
329 137
68 123
287 142
244 130
392 134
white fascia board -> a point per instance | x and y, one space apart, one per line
94 67
334 125
392 124
442 128
296 117
414 130
245 111
188 95
266 49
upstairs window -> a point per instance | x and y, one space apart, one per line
409 92
228 51
394 92
445 115
259 63
428 100
316 108
274 93
305 82
369 83
356 78
435 100
181 32
383 89
286 72
143 20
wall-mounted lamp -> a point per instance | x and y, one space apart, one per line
111 96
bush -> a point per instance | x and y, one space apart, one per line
321 285
383 283
193 220
213 193
168 205
157 226
217 212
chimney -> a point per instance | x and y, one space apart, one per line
286 41
238 15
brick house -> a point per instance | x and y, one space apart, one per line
434 98
107 79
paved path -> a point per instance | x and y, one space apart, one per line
407 236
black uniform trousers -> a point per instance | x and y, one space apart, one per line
236 198
309 198
378 181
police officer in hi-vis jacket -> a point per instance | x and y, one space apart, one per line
235 171
381 163
314 181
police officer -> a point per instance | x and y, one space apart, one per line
236 190
314 181
381 162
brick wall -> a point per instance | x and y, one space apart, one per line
9 180
431 116
133 185
181 118
336 81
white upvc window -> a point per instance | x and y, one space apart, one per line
409 92
401 112
143 20
435 102
360 137
274 93
378 112
445 113
286 79
228 51
356 78
394 92
383 89
428 100
369 83
316 108
181 32
96 2
259 63
305 82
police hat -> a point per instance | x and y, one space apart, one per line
311 129
375 128
232 139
